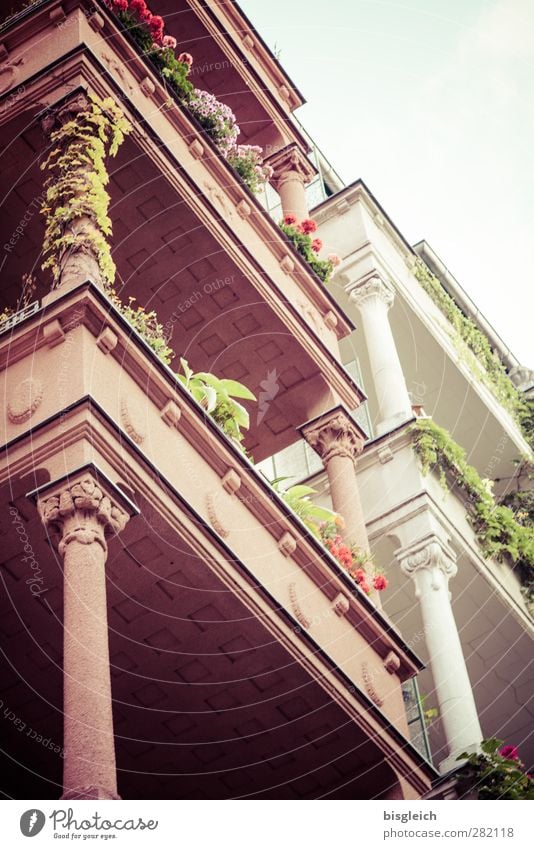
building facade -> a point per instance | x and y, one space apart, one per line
170 626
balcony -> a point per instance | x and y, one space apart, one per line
268 646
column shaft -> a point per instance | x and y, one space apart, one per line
374 299
89 746
430 568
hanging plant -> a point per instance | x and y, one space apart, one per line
76 203
496 527
469 339
301 237
217 396
148 32
494 773
247 160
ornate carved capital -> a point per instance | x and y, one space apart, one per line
335 434
431 555
371 289
290 163
59 115
82 511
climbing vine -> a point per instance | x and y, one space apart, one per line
75 186
497 529
473 345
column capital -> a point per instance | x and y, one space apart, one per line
334 434
290 163
84 506
66 110
431 555
373 288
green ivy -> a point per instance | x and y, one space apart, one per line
75 186
469 338
497 529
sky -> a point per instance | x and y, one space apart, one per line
430 102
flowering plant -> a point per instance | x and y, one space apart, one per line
300 235
246 159
356 562
148 31
494 773
217 119
146 324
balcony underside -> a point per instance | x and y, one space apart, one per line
207 703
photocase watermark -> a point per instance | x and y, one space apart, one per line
32 822
198 70
269 390
29 732
13 98
18 232
95 825
194 298
36 580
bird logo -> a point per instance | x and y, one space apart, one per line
32 822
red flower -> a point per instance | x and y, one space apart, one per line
121 5
316 245
509 752
186 59
308 226
139 7
290 219
156 28
380 582
359 576
145 17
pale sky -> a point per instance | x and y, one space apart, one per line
431 103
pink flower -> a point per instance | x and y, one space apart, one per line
169 41
334 259
509 752
121 5
364 586
186 59
380 582
290 219
316 245
308 226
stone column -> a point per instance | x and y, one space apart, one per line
292 171
85 516
76 265
374 298
338 440
430 563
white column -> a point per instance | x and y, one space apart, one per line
430 563
373 299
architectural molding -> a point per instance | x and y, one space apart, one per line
431 554
374 288
334 434
83 511
290 163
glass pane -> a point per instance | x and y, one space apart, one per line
291 462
